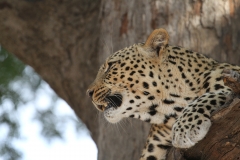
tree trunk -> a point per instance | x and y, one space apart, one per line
57 38
65 41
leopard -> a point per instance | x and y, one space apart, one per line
174 89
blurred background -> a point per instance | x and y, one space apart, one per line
34 122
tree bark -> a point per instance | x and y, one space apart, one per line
66 41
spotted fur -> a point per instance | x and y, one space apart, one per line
173 88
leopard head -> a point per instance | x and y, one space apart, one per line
127 84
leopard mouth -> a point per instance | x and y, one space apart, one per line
113 101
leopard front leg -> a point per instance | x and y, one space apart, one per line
158 143
194 123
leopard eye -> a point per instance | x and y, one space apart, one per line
108 66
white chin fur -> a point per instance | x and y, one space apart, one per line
111 116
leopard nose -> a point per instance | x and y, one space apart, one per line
90 93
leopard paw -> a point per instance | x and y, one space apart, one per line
187 132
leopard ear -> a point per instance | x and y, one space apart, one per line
157 41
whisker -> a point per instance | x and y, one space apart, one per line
96 116
120 123
118 97
117 128
112 38
112 102
105 47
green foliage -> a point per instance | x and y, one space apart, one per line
8 152
18 86
10 69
